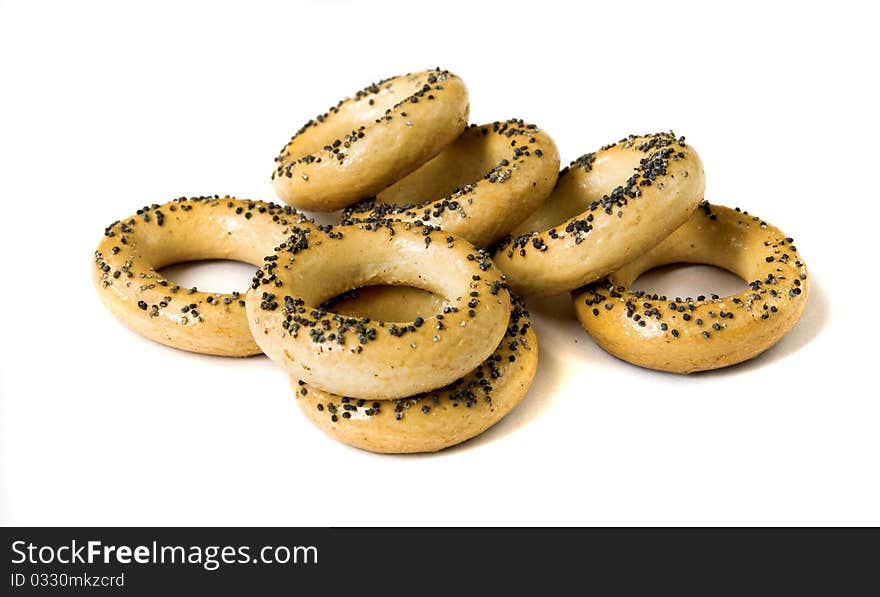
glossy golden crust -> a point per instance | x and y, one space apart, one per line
690 335
606 210
437 419
479 187
367 142
128 259
360 357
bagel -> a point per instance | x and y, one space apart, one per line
687 335
129 257
436 419
607 209
481 186
367 142
380 359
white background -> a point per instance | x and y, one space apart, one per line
107 106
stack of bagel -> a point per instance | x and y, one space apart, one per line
402 327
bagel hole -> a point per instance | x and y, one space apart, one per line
212 275
386 303
689 280
574 194
464 162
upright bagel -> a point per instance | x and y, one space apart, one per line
129 257
607 209
689 335
367 142
481 186
436 419
359 357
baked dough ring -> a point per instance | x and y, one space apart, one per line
607 209
436 419
481 186
360 357
689 335
367 142
129 257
